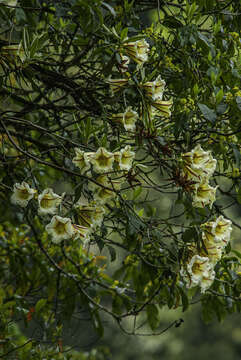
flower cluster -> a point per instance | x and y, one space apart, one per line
127 119
103 160
153 90
60 228
136 50
199 166
200 268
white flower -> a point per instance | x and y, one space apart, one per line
81 160
137 50
104 191
49 201
125 158
204 194
197 157
199 163
210 167
97 216
116 84
102 160
221 229
214 253
103 195
162 107
198 267
60 229
89 215
124 63
81 232
199 271
207 281
128 119
22 193
155 89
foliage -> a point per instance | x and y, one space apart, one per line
104 121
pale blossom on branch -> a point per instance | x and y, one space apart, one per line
155 89
102 161
22 194
137 50
49 202
60 229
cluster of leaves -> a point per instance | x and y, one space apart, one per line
55 58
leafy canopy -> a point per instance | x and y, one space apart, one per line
120 165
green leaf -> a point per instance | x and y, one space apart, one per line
110 8
40 305
239 195
152 316
208 113
219 96
185 302
112 253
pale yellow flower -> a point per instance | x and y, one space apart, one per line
116 84
81 232
106 189
22 193
199 271
207 281
124 63
125 158
102 160
81 159
204 194
128 119
198 163
60 229
218 232
89 215
137 50
48 202
162 107
155 89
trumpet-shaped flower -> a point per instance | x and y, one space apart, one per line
210 167
204 194
207 281
81 160
97 216
60 229
124 63
197 158
212 250
81 232
103 195
128 119
103 191
102 160
49 201
116 84
199 271
137 50
90 215
162 107
22 193
155 89
219 231
222 228
199 163
125 158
